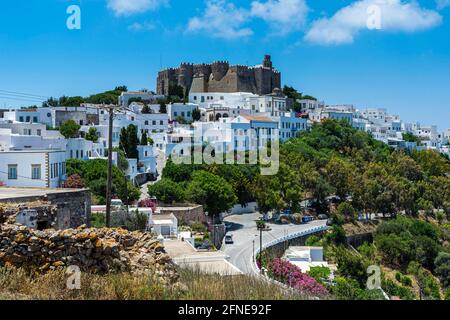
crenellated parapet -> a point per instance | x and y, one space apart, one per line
220 76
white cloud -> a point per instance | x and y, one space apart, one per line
129 7
221 20
284 15
396 15
441 4
145 26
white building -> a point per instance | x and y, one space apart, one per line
125 97
33 168
290 125
308 105
182 110
305 257
272 103
83 149
165 225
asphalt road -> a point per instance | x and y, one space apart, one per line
246 237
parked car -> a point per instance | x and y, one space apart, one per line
322 216
116 203
307 219
229 239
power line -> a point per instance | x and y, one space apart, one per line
21 99
23 94
25 177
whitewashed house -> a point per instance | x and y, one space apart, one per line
33 168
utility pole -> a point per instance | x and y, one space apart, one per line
109 176
260 249
253 252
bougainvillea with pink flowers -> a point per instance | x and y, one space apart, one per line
291 275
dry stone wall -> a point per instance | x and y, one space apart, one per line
93 250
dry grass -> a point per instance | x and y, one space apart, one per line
242 287
18 284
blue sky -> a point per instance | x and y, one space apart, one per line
322 47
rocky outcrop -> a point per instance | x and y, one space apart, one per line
93 250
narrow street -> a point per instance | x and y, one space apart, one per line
160 164
246 238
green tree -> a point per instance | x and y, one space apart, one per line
146 109
162 106
213 192
122 161
144 139
94 173
196 114
347 211
339 175
129 141
70 129
92 134
167 191
442 268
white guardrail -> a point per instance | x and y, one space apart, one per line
283 239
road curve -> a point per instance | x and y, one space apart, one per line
246 238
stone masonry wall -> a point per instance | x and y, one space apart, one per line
97 251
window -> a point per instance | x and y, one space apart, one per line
35 119
161 122
175 114
154 122
28 118
39 132
20 119
12 171
146 123
36 171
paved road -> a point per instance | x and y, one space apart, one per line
244 233
160 164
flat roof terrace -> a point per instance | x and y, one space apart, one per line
7 193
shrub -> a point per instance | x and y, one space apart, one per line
398 276
351 266
98 220
297 218
393 289
442 269
406 281
198 227
447 294
313 241
349 289
147 203
74 182
367 250
289 274
347 211
320 274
